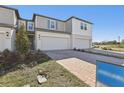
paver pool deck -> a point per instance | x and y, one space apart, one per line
81 64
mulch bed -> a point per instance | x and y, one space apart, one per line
10 61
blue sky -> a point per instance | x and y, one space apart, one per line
108 20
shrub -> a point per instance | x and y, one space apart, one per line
38 51
74 48
82 50
96 46
104 48
109 48
5 53
22 41
78 49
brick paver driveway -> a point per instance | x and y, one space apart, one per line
81 64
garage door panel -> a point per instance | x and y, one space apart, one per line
81 43
54 43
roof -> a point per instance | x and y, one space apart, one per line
34 15
61 20
79 19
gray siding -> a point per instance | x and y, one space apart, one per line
7 16
22 22
42 22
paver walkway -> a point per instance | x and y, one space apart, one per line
82 69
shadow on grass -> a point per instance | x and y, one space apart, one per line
13 61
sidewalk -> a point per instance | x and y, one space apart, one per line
82 69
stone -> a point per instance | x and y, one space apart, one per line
41 79
43 73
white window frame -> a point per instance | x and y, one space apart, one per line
82 26
28 24
50 23
85 26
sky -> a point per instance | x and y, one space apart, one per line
108 21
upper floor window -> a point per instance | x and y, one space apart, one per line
30 26
52 24
82 26
85 26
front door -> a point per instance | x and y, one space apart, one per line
31 42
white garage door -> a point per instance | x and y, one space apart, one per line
81 43
54 43
1 42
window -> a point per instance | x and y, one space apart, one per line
82 26
52 24
85 26
30 26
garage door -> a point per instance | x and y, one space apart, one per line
1 42
81 43
54 43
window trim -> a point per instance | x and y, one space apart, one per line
81 25
85 26
52 22
28 24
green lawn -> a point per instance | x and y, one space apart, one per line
57 77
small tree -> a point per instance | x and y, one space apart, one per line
22 40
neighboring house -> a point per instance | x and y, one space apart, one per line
45 33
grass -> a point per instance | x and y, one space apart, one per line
118 49
115 47
57 77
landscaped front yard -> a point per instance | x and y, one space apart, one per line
114 47
57 76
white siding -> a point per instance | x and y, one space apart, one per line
61 26
78 31
7 16
7 42
68 26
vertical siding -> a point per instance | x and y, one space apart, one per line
20 22
60 26
68 26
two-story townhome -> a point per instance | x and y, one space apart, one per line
51 33
45 33
8 24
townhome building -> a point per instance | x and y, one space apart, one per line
45 33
